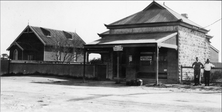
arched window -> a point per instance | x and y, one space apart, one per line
15 54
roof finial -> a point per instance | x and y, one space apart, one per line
163 3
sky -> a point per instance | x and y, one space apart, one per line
87 18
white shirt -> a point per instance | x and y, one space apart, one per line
207 66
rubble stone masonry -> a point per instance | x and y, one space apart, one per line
191 44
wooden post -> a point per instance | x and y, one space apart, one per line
118 67
87 57
157 64
84 61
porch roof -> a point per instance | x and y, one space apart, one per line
167 40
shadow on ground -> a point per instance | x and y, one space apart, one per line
90 83
70 81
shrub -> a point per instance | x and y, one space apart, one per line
215 76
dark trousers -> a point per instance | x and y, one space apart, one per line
207 78
197 77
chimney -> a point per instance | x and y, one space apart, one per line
184 15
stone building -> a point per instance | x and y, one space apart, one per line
152 45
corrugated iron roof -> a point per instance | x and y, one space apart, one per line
154 13
55 37
136 39
215 49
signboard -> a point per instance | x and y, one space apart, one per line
118 48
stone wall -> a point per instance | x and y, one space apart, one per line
191 44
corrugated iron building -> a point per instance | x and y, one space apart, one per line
44 44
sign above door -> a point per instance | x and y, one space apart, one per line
117 48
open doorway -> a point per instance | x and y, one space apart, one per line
95 58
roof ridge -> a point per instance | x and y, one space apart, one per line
52 29
168 8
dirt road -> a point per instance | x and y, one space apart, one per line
51 94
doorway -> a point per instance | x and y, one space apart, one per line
119 64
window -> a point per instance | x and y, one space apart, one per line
146 58
46 32
68 35
15 54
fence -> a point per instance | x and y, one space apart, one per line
187 73
73 70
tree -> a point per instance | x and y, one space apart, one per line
64 51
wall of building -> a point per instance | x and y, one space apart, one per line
214 56
191 44
71 57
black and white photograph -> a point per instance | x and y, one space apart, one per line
110 56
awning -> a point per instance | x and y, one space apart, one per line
167 40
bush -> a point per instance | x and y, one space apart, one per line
215 76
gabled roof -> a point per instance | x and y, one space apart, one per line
51 37
154 13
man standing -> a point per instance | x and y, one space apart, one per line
207 69
197 67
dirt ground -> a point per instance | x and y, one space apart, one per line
56 94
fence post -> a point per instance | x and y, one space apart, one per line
84 65
94 71
9 62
